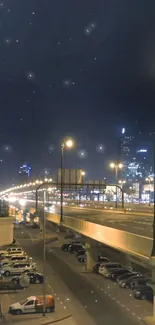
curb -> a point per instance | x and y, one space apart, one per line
57 320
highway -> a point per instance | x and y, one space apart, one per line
132 222
82 298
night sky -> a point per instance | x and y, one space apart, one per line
73 67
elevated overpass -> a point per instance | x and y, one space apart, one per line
137 246
128 232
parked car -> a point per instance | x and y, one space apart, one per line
80 252
115 274
105 269
5 282
18 268
127 275
73 248
127 282
34 226
138 282
8 255
82 258
11 249
102 259
65 247
20 258
143 292
33 304
14 259
34 277
96 267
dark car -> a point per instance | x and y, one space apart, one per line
73 248
127 282
80 252
96 267
102 259
65 247
35 278
115 274
127 276
143 292
141 281
35 226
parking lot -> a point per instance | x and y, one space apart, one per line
9 297
123 297
62 281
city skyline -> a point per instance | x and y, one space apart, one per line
79 78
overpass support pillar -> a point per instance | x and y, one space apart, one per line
92 254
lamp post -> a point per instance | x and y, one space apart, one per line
149 179
65 144
116 167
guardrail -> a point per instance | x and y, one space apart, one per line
133 244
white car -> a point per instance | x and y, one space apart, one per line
18 268
11 250
14 259
105 267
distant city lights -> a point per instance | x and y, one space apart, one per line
82 153
100 148
142 150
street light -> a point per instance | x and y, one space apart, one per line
67 144
149 179
121 182
116 167
83 173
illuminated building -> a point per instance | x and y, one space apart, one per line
136 156
24 173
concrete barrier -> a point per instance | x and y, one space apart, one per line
133 244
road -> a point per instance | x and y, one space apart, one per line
74 290
138 224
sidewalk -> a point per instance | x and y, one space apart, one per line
38 319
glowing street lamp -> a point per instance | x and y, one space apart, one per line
122 182
116 167
67 144
83 173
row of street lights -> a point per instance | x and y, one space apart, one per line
116 168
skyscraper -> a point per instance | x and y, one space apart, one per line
24 173
136 154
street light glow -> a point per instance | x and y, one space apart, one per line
122 182
83 173
149 179
69 143
112 165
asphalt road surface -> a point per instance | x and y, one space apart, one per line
73 289
137 224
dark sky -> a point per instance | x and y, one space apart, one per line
83 68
